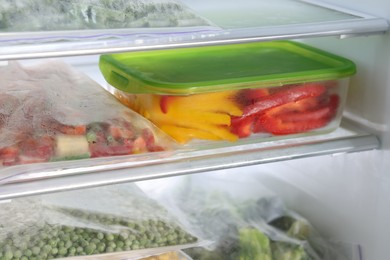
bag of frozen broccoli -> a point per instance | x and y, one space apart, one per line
110 220
244 219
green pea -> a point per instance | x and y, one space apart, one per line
62 251
100 235
131 225
95 240
8 255
101 247
18 254
120 244
141 229
143 242
54 251
35 250
47 248
170 238
109 237
84 243
74 238
109 249
61 244
124 235
23 245
27 252
112 245
7 248
72 250
182 241
79 249
90 249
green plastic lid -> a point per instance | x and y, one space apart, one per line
194 70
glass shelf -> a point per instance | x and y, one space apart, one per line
216 22
62 176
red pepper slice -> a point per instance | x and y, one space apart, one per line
150 141
298 122
284 96
100 150
9 155
165 102
242 126
250 96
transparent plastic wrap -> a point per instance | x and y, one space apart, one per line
48 15
101 221
244 220
25 21
51 112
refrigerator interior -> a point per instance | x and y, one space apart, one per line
344 195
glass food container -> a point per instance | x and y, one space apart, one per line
227 92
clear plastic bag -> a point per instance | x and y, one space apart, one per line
95 221
51 112
243 219
65 15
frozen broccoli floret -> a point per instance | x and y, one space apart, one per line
286 251
254 245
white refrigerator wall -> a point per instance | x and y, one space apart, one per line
347 196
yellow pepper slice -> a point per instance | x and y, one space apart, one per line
202 116
184 135
222 102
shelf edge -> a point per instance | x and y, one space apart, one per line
342 29
193 165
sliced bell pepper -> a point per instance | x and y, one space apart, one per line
184 135
242 126
150 141
298 122
100 149
165 102
221 102
9 155
209 132
250 96
284 96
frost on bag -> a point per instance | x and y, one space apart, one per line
49 15
114 219
51 112
244 221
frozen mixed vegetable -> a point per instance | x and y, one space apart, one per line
52 112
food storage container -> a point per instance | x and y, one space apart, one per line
227 92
